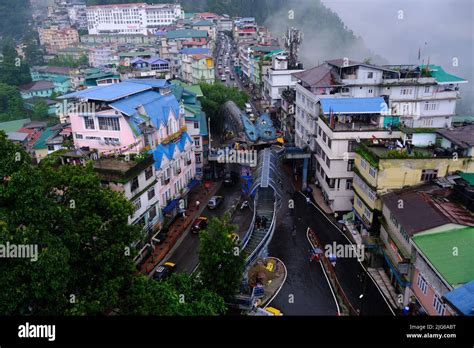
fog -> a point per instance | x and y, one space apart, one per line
443 29
388 32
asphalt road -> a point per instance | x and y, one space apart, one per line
351 275
306 290
186 253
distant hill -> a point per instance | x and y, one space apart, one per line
15 16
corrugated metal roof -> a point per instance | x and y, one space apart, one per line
455 268
353 105
462 298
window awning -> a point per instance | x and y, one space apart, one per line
170 206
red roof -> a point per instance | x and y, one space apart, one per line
141 4
248 30
207 15
33 135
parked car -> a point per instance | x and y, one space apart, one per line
164 271
199 224
231 178
248 108
214 202
223 78
232 77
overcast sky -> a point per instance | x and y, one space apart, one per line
445 25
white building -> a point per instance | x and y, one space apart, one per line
342 102
137 18
278 78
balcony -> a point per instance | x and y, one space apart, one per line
353 123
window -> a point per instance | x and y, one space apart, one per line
79 136
363 163
93 138
422 284
148 173
404 234
152 213
372 172
394 220
350 165
370 91
198 158
367 213
151 193
329 143
50 147
89 122
197 142
359 202
137 204
370 75
438 305
351 145
431 106
196 125
134 185
348 184
331 182
109 123
429 174
427 89
324 137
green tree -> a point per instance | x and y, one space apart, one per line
82 234
220 263
214 97
40 109
13 70
11 103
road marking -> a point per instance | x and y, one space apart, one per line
363 267
324 271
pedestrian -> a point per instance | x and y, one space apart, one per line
264 222
197 205
308 200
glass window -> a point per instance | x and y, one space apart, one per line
89 122
134 185
151 193
148 173
429 174
109 123
350 165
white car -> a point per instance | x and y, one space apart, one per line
223 78
248 108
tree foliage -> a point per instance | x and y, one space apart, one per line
220 263
13 70
69 61
11 103
81 230
215 96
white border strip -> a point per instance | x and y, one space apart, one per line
324 271
363 267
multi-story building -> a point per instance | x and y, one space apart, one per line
197 68
441 262
406 93
119 39
136 18
103 56
279 78
135 177
55 38
382 165
174 41
408 214
149 68
135 116
76 10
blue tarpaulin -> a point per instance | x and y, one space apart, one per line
170 206
193 184
372 105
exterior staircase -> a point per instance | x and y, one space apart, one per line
257 235
387 288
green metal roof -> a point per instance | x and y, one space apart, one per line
203 22
186 34
469 177
441 76
450 252
13 126
41 142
